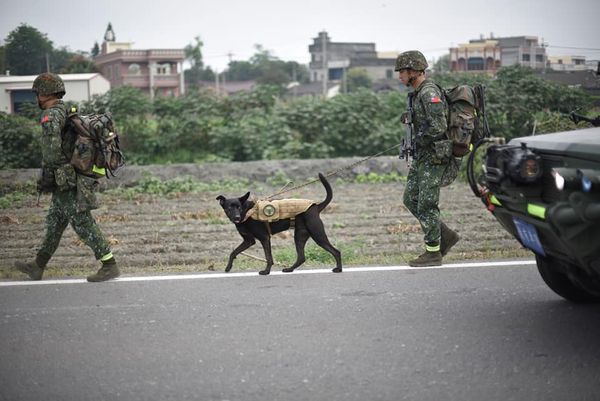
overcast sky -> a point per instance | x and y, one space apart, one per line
286 28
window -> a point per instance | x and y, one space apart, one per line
539 58
526 57
163 69
20 97
389 74
134 69
475 64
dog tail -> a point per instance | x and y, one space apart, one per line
329 191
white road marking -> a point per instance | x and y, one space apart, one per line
273 273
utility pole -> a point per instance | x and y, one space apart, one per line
217 81
294 82
325 69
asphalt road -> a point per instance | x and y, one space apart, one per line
454 333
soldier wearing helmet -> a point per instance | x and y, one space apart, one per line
71 200
428 116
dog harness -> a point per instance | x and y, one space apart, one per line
279 209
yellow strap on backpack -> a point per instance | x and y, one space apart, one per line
99 170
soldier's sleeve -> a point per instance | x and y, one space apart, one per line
52 121
436 114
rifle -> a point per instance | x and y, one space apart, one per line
577 118
407 145
480 100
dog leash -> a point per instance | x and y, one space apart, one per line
330 174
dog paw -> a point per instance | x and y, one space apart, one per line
264 272
337 270
287 270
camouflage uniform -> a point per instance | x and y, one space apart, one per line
68 206
73 195
422 192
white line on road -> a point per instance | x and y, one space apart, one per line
273 273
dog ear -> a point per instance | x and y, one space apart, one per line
221 199
244 198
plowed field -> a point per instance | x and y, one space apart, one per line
188 232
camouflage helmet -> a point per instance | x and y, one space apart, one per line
412 59
48 84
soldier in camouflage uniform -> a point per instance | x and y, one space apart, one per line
73 194
432 155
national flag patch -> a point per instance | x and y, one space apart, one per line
435 99
45 119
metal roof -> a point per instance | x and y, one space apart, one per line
13 79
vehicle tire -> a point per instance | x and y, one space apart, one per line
560 283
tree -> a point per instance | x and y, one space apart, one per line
60 58
78 64
442 64
197 72
95 50
357 78
2 60
266 69
241 71
26 51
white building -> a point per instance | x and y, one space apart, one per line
16 90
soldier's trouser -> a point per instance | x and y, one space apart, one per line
63 210
422 196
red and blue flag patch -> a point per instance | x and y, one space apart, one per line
435 99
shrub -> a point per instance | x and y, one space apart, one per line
19 141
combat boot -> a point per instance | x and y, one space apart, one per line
35 268
448 240
427 259
109 270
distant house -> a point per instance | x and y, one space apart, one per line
154 71
335 58
488 55
16 90
588 81
567 63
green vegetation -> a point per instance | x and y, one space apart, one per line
155 186
261 124
374 178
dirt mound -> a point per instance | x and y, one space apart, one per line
255 171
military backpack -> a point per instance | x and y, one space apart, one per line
96 150
467 121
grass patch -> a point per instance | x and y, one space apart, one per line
151 185
375 178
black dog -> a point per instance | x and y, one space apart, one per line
307 225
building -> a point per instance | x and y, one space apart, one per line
487 55
567 63
16 90
154 71
335 58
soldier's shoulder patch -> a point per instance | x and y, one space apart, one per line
46 118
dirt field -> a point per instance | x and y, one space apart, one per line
189 232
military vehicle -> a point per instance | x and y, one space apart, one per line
545 191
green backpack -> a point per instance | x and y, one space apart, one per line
467 122
96 150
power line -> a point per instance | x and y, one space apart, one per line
574 48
